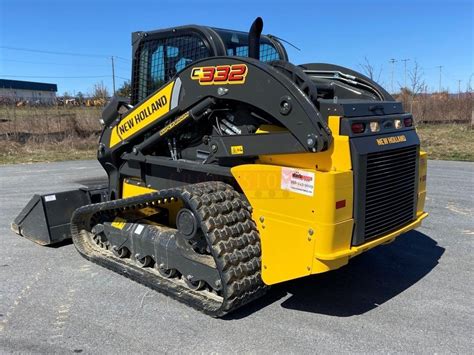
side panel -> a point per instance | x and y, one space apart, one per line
293 224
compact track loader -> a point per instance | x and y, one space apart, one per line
232 169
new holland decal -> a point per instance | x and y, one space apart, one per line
143 115
391 140
220 74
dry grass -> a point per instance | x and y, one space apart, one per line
447 141
439 108
48 120
71 148
34 134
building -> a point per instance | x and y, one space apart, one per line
16 90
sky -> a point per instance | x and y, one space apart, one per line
431 33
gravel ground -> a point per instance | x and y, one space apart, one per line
414 295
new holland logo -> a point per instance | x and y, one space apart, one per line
220 74
391 140
143 115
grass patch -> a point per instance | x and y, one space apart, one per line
447 141
441 141
55 133
31 152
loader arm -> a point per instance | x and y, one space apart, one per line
256 91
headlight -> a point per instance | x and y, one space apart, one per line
374 126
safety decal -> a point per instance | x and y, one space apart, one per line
237 149
119 223
220 74
298 181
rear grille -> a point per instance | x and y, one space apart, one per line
390 190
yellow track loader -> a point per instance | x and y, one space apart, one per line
231 169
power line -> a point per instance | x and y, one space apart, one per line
55 77
122 58
63 53
50 63
53 52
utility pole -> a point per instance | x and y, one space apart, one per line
393 61
113 74
405 62
439 87
459 89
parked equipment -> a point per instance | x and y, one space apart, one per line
232 169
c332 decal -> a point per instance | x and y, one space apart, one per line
220 74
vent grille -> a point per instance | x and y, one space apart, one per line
390 190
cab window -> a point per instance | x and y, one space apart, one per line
236 44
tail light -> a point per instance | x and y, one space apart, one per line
358 127
408 122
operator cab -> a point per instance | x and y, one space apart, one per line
159 55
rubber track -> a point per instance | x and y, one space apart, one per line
230 232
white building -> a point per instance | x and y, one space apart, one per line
16 90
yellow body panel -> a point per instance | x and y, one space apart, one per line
293 225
